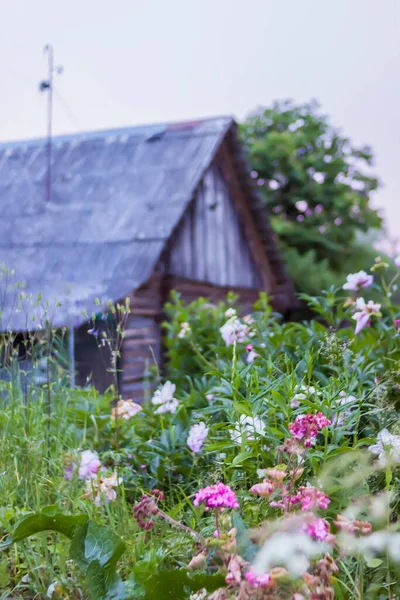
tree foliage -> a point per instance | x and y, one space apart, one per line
315 182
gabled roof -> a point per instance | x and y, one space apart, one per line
116 198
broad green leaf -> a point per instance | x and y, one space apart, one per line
245 546
175 584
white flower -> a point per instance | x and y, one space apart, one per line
296 400
356 281
231 312
102 488
247 426
185 329
397 261
340 418
365 311
234 331
387 448
210 397
164 399
305 390
89 465
196 437
125 409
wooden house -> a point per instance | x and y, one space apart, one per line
134 212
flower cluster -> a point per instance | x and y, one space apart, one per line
216 496
302 393
146 508
249 427
387 448
196 437
311 498
89 464
306 427
99 488
318 529
234 330
258 581
164 399
125 409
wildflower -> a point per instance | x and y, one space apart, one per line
197 435
263 489
304 391
249 427
248 319
251 353
275 474
89 464
387 448
364 313
230 312
296 400
258 581
318 529
353 526
310 498
343 400
356 281
306 427
185 329
99 488
164 399
93 331
198 561
234 331
146 508
234 575
216 496
125 409
210 397
397 324
397 261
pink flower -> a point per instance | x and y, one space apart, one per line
125 409
306 427
197 435
102 488
89 464
310 498
216 496
258 581
397 261
252 354
318 529
365 311
356 281
397 324
263 489
234 331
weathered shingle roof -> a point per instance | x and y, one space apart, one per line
116 197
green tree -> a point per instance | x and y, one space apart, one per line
317 187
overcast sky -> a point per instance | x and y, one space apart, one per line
143 61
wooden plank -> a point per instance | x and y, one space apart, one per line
252 236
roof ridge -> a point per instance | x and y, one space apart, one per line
148 131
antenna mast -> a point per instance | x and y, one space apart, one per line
47 86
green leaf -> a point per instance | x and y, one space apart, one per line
103 585
175 584
246 548
373 563
47 520
240 458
